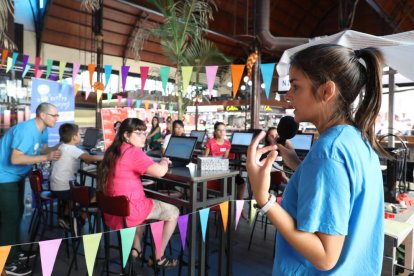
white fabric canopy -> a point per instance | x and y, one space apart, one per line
398 49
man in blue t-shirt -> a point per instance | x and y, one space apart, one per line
22 146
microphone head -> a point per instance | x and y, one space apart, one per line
286 129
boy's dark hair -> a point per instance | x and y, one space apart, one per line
67 131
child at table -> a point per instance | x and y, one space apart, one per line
64 170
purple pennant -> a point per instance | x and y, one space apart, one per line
25 60
124 71
53 77
182 226
129 102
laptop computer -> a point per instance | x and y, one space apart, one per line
180 150
302 142
90 138
240 141
200 137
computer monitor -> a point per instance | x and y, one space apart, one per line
302 141
90 138
180 150
199 134
240 141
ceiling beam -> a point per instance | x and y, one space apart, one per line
374 5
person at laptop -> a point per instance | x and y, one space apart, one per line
219 146
331 218
64 170
177 130
120 174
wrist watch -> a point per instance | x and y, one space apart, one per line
263 211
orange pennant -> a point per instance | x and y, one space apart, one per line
4 253
236 74
91 69
4 56
76 89
146 105
224 210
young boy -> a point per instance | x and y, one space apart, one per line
64 170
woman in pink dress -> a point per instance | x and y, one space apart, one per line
120 174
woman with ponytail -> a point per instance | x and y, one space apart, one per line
120 174
330 221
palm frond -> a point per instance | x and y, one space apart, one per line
6 8
90 5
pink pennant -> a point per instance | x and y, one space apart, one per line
75 70
119 100
37 64
157 229
211 72
48 252
155 106
182 226
39 73
144 75
239 209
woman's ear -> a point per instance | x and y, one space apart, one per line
126 136
328 91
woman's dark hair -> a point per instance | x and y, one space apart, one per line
216 125
153 128
266 141
177 123
112 154
355 73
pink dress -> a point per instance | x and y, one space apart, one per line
132 163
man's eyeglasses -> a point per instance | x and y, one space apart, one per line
53 115
139 133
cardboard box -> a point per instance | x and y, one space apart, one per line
211 163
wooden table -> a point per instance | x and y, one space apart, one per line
195 181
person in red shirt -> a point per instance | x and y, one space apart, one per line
219 146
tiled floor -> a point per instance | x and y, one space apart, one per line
257 261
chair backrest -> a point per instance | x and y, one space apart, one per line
113 205
80 195
36 179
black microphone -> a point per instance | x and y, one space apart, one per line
286 129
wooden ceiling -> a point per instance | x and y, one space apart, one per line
234 26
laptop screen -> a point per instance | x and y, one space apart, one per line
91 137
199 134
241 138
302 141
180 148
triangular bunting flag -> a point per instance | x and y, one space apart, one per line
25 60
203 221
76 89
63 87
39 73
155 106
127 239
119 100
164 72
253 211
144 74
49 67
211 72
4 253
137 103
87 92
129 102
75 70
224 210
239 209
26 69
62 66
14 58
146 104
171 108
267 75
124 72
187 71
37 64
91 244
236 75
98 94
162 106
9 64
156 230
109 96
91 69
48 252
182 226
4 56
53 77
108 71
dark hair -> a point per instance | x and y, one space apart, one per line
67 131
331 62
175 123
43 108
153 128
117 124
216 125
112 154
266 142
